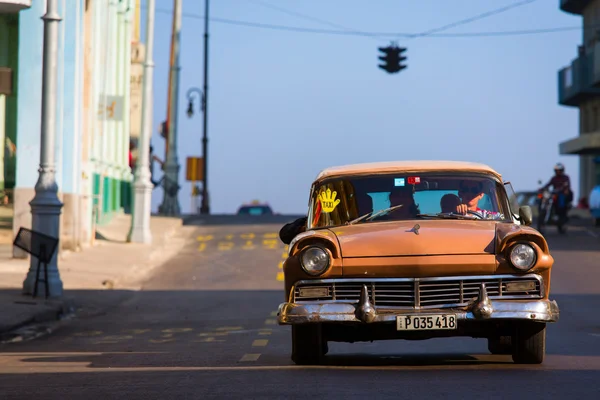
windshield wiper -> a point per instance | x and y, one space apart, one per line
446 216
374 215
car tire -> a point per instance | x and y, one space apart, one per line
500 345
308 344
529 343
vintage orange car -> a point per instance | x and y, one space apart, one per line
417 250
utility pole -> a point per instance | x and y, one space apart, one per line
142 185
170 204
45 206
204 208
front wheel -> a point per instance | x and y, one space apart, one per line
529 343
500 345
308 344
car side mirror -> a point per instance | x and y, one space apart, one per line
525 215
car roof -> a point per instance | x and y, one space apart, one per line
404 167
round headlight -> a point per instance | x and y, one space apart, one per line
315 260
522 256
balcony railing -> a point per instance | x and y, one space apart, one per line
579 81
574 6
13 6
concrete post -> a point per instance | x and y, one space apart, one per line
142 186
45 206
170 205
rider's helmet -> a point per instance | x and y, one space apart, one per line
559 167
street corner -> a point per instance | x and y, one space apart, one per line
24 317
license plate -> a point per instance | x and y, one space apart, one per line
426 322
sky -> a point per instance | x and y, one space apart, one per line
284 104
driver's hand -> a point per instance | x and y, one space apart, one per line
461 209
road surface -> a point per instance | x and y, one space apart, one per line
205 327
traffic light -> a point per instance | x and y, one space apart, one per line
392 59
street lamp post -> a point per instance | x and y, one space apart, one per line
46 206
142 185
204 208
190 113
170 204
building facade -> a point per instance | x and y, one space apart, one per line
579 86
93 121
9 68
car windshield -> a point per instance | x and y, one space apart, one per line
366 199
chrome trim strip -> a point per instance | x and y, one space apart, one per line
537 310
427 279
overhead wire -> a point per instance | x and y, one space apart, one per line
406 35
475 18
311 18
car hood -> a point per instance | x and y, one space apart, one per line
400 238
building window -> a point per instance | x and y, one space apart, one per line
568 77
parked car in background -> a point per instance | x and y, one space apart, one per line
255 208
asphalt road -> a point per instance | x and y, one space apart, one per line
204 327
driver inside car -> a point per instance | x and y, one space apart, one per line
470 193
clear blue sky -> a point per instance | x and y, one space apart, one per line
283 105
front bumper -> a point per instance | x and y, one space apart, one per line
480 309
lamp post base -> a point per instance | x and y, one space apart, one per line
170 205
45 210
142 209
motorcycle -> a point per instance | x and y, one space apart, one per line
553 207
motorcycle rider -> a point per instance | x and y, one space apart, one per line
561 183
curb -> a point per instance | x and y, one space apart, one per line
58 311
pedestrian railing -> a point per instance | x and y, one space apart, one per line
40 246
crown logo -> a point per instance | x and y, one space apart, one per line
328 200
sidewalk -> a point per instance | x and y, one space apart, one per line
110 264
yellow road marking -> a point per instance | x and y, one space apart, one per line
248 245
270 235
270 322
136 331
250 357
247 236
229 328
205 238
160 340
270 243
202 247
91 333
208 340
229 237
177 330
213 334
280 265
260 343
273 313
225 245
280 277
264 333
113 339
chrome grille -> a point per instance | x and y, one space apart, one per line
421 292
